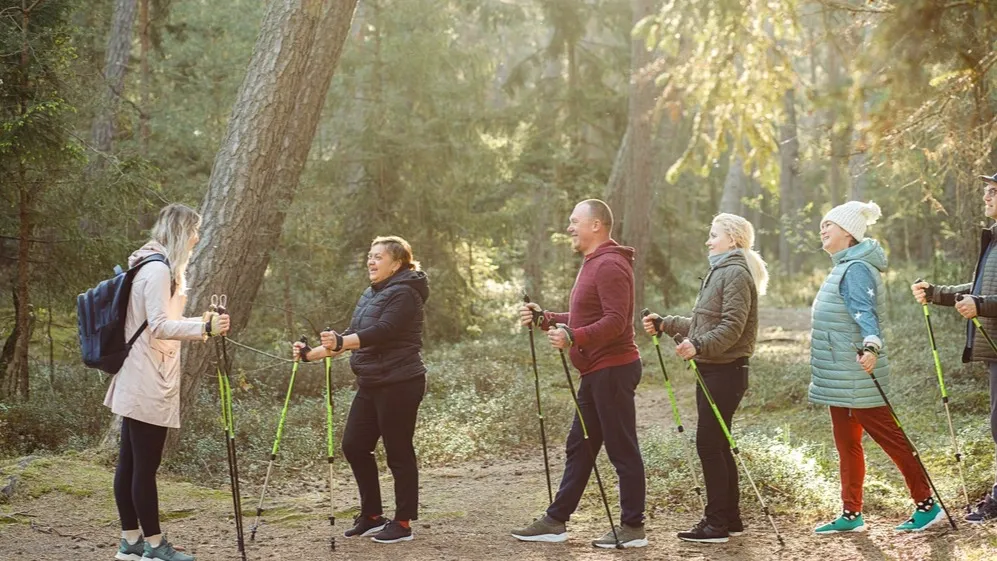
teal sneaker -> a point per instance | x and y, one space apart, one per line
131 552
847 522
164 552
927 514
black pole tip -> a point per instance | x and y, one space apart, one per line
918 279
526 297
645 312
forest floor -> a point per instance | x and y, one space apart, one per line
62 508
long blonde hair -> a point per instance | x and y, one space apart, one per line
176 226
742 233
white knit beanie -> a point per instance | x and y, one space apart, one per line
854 217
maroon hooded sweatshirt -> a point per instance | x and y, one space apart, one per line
601 310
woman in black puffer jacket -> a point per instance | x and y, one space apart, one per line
385 336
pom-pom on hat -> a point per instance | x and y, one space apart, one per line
854 217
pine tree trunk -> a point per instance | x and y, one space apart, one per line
256 171
143 19
640 198
789 169
115 65
734 186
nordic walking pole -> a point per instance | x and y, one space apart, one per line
917 455
979 327
945 395
218 303
675 410
585 436
276 444
330 446
540 413
730 439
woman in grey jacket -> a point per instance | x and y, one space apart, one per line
146 391
720 335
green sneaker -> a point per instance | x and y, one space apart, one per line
630 536
543 529
164 552
847 522
927 514
131 552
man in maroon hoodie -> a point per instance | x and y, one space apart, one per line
598 331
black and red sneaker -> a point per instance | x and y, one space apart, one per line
366 526
394 532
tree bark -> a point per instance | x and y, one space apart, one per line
640 198
734 186
144 102
257 169
115 65
789 170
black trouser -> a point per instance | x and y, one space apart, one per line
727 384
606 399
135 477
387 412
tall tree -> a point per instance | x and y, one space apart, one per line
119 47
789 170
639 201
257 168
34 148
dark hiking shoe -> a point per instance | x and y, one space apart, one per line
130 552
986 510
703 532
735 528
164 552
629 536
543 529
366 526
393 533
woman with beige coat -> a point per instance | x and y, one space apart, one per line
146 390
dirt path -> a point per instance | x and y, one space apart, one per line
467 512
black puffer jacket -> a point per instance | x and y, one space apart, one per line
389 319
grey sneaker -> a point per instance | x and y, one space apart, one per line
630 536
543 529
130 552
164 552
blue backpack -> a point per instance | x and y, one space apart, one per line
101 313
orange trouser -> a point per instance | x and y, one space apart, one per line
877 421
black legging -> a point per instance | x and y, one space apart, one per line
388 413
727 384
135 477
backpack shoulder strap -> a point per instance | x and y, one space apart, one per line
132 271
149 259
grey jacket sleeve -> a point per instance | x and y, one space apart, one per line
944 295
737 293
676 325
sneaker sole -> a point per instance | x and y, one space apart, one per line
938 518
368 533
640 542
407 538
735 534
545 538
127 557
704 540
984 521
852 531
